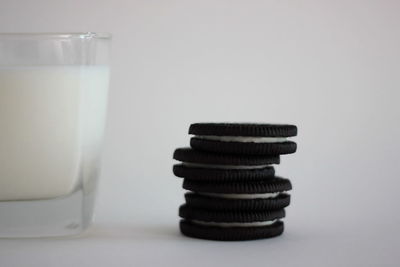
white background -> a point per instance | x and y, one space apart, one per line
330 67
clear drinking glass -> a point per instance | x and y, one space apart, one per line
53 98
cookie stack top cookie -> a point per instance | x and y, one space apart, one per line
243 139
235 194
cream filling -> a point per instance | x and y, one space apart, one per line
243 139
243 196
234 224
218 166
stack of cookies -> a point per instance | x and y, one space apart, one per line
233 191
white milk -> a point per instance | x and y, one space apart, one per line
51 124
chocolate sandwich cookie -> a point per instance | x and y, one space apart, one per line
201 165
218 160
221 174
267 194
239 189
219 233
243 138
271 201
230 225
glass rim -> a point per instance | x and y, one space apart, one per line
57 35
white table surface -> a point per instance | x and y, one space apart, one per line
141 243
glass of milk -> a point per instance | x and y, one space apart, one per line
53 99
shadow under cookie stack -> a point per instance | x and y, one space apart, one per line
233 191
